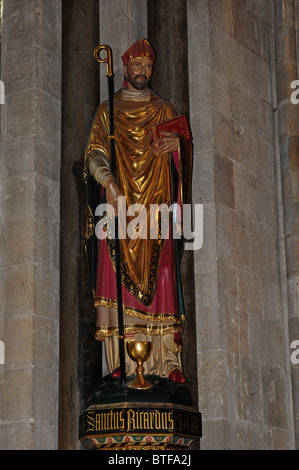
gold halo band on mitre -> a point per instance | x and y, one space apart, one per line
140 48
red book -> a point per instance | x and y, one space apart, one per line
177 125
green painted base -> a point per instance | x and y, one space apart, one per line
110 391
123 425
160 417
137 442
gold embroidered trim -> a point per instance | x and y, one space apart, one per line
145 297
90 222
135 312
104 332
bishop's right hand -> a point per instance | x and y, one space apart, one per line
112 194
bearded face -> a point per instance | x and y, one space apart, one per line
140 82
138 73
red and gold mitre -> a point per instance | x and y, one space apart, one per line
140 48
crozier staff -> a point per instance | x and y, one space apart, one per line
145 174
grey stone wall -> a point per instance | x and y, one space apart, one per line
243 352
29 233
287 70
121 24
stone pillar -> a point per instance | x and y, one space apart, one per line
287 67
80 354
121 24
243 377
30 198
167 32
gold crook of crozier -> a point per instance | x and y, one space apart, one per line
107 59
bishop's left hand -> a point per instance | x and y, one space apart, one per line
168 143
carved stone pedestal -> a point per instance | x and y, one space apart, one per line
120 418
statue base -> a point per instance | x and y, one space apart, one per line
123 418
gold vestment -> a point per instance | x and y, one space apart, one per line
146 179
142 178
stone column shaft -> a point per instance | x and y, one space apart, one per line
80 365
30 200
287 67
121 24
243 379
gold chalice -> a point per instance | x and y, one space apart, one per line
139 351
